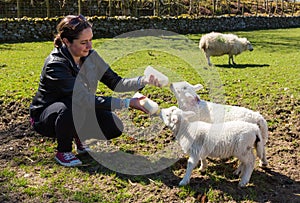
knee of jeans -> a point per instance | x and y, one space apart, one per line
115 131
65 117
113 135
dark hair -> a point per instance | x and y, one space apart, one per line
70 28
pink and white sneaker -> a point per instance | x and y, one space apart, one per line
67 159
81 148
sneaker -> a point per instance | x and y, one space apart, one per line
81 148
67 159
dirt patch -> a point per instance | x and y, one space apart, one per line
280 182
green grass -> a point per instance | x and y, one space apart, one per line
262 80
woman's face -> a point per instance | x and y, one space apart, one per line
81 46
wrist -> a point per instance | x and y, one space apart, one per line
142 81
125 103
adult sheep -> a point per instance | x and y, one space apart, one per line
189 100
218 44
222 140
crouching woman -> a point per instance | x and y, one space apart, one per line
73 64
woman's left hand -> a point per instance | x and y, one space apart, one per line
135 103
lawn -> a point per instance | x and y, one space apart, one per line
265 80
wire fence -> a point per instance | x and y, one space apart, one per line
137 8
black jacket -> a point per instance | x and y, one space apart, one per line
62 80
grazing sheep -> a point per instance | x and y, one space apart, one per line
210 112
223 140
218 44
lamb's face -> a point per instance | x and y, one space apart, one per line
247 43
170 116
185 94
249 46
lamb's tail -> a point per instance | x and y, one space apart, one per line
259 146
260 149
202 44
263 126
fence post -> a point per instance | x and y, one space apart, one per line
214 7
79 7
156 8
109 8
48 8
18 9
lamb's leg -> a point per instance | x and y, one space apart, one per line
203 165
238 171
248 161
231 60
192 162
263 160
208 60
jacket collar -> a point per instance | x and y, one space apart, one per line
65 52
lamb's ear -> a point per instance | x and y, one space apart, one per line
198 87
188 114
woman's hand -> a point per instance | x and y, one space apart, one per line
152 81
135 103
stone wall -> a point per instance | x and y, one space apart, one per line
37 29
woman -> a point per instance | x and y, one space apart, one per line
74 65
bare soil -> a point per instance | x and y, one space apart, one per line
279 182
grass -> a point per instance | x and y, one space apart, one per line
262 80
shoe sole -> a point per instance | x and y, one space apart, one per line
82 151
68 164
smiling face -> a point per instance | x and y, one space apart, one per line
80 47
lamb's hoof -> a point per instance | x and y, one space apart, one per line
263 164
183 183
242 185
237 172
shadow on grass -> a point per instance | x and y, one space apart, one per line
219 181
90 165
242 65
264 185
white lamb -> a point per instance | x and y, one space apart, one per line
218 44
223 140
188 100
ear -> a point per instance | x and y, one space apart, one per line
188 114
198 87
66 42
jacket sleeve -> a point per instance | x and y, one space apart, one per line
110 78
57 80
95 68
83 98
